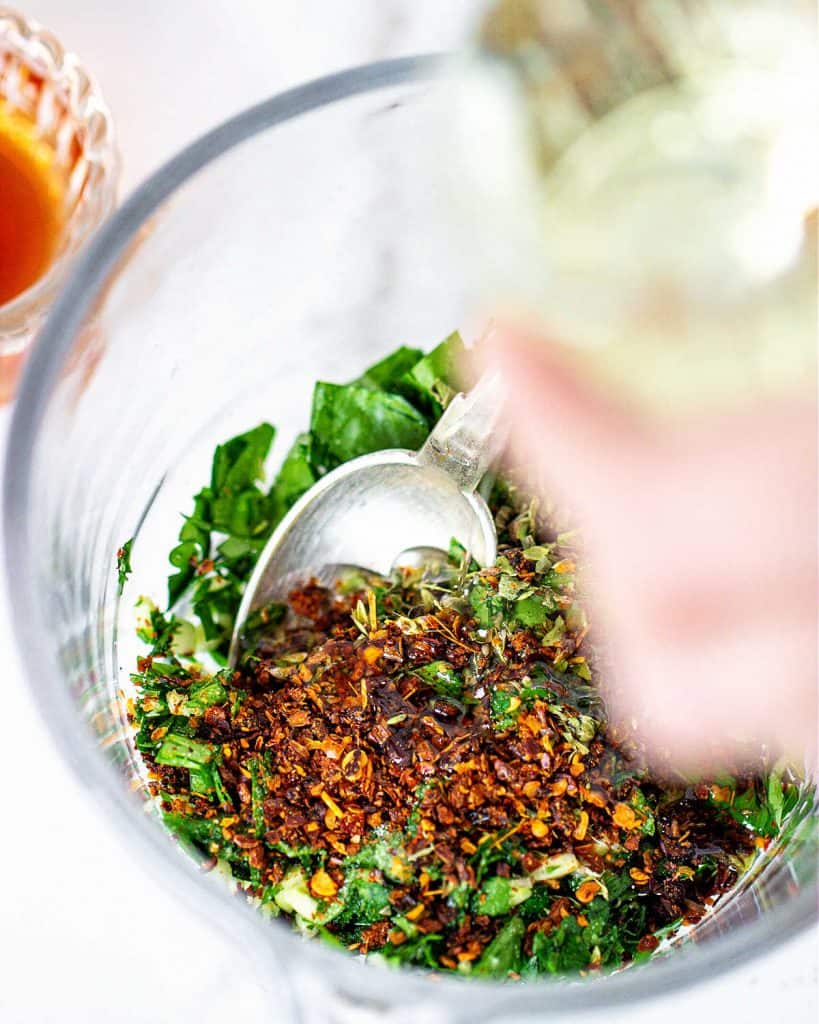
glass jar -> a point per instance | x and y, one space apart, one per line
294 242
51 89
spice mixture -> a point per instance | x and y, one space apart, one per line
419 768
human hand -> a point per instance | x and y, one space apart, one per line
702 551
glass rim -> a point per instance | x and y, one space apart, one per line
689 964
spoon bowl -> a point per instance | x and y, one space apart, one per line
362 516
388 509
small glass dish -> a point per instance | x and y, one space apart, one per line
50 86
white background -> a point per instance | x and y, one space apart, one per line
86 935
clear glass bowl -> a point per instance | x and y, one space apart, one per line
296 241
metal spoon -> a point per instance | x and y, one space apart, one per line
388 509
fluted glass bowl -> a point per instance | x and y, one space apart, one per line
294 242
52 88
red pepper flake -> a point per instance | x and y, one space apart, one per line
625 818
322 885
338 734
587 890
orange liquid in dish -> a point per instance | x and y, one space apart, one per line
31 205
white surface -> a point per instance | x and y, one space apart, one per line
78 911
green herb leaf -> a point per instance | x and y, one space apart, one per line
762 805
193 547
234 506
494 898
203 695
776 798
158 630
555 634
182 752
499 895
538 905
643 809
504 706
349 420
203 832
420 950
386 374
124 564
503 954
362 904
294 478
485 604
258 792
563 950
433 380
239 463
443 678
386 855
202 781
531 611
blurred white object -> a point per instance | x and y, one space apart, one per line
645 177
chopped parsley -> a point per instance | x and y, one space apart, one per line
419 767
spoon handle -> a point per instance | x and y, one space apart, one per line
469 435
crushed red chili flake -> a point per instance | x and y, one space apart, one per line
420 767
